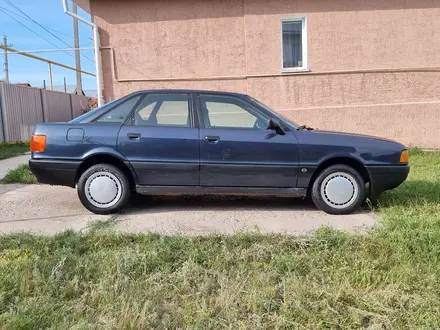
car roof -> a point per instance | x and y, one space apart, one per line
165 90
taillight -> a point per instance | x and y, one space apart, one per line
38 143
404 158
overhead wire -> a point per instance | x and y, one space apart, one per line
24 17
43 27
28 28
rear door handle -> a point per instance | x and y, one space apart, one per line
212 139
134 136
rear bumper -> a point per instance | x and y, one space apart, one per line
386 177
55 172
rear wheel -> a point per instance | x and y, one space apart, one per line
103 189
338 189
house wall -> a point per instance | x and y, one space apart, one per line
372 63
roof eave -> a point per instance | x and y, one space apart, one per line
84 4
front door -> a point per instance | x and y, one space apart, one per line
161 141
237 149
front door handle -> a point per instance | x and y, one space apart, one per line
134 136
212 139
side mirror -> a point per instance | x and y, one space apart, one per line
274 124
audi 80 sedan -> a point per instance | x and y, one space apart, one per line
161 142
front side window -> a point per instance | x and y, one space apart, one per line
163 110
275 114
294 44
230 112
120 112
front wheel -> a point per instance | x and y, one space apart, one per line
103 189
338 189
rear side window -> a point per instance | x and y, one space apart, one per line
119 113
163 110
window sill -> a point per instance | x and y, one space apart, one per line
293 70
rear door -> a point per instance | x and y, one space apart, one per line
161 140
237 150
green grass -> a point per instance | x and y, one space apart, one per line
387 278
8 150
21 174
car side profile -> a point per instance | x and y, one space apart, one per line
159 142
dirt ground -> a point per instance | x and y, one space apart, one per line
48 210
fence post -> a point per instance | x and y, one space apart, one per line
2 109
71 106
43 105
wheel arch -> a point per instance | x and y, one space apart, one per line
352 162
111 159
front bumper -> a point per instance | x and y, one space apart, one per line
386 177
55 172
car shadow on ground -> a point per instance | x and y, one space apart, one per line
215 203
156 204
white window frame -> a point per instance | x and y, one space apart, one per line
303 20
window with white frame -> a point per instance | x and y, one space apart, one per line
294 44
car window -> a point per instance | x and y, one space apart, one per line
230 112
275 114
145 112
163 110
120 112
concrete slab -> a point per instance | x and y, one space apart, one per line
202 215
11 163
42 209
48 210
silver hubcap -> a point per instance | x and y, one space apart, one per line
103 189
339 190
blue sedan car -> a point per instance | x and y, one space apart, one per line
204 142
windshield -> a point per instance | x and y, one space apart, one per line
273 112
89 113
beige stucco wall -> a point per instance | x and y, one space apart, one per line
235 45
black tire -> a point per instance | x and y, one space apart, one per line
324 202
122 186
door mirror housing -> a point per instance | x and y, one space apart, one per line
274 124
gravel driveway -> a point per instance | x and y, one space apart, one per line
48 209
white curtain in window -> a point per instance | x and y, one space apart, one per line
292 44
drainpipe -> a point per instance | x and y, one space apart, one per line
95 46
